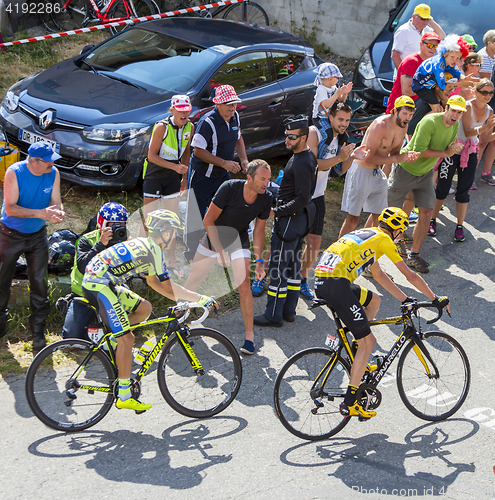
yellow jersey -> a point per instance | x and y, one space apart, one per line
354 252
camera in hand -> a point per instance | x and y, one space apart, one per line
119 232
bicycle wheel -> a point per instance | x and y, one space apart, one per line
429 397
305 408
70 19
248 12
205 394
64 394
130 9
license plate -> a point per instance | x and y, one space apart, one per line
31 138
385 101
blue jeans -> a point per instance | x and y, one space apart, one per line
78 317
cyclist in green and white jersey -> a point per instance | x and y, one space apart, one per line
103 287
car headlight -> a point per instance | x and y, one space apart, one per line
365 67
11 99
115 132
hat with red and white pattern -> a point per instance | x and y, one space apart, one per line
181 103
225 94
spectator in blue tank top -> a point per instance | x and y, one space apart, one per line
31 199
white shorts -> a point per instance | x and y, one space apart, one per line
365 189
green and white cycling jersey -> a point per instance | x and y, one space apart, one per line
125 260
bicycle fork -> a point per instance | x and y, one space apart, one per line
317 393
190 354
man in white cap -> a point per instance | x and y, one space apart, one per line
217 138
31 199
408 36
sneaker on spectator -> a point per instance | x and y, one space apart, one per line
488 178
474 186
306 291
248 347
417 263
433 228
257 287
459 234
401 247
413 216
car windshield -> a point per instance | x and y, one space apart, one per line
454 16
155 61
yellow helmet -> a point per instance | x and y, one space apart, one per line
394 218
161 224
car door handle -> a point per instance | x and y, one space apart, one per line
274 105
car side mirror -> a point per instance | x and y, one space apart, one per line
85 49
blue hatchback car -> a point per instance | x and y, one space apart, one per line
98 109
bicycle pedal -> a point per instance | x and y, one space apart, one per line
362 419
138 412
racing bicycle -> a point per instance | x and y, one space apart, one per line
66 15
246 11
72 384
433 376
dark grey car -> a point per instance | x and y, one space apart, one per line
98 109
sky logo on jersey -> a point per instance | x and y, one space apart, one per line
354 237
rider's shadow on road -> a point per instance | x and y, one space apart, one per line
175 460
372 463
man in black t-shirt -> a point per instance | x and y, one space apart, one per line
294 216
234 206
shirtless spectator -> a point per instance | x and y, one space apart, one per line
366 183
408 36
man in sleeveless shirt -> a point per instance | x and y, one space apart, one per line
31 199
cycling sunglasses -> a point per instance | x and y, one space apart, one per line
486 92
293 137
431 45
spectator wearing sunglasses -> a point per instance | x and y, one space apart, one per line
408 36
294 216
409 65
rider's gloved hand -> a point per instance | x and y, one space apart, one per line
208 302
441 302
408 300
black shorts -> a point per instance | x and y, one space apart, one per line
317 227
161 188
348 300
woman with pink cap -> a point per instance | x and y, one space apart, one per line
165 169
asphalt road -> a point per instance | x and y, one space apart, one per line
246 453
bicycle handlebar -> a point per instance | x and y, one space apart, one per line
414 306
186 308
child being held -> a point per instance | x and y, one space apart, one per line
326 94
441 72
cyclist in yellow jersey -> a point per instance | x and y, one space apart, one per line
102 286
345 260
